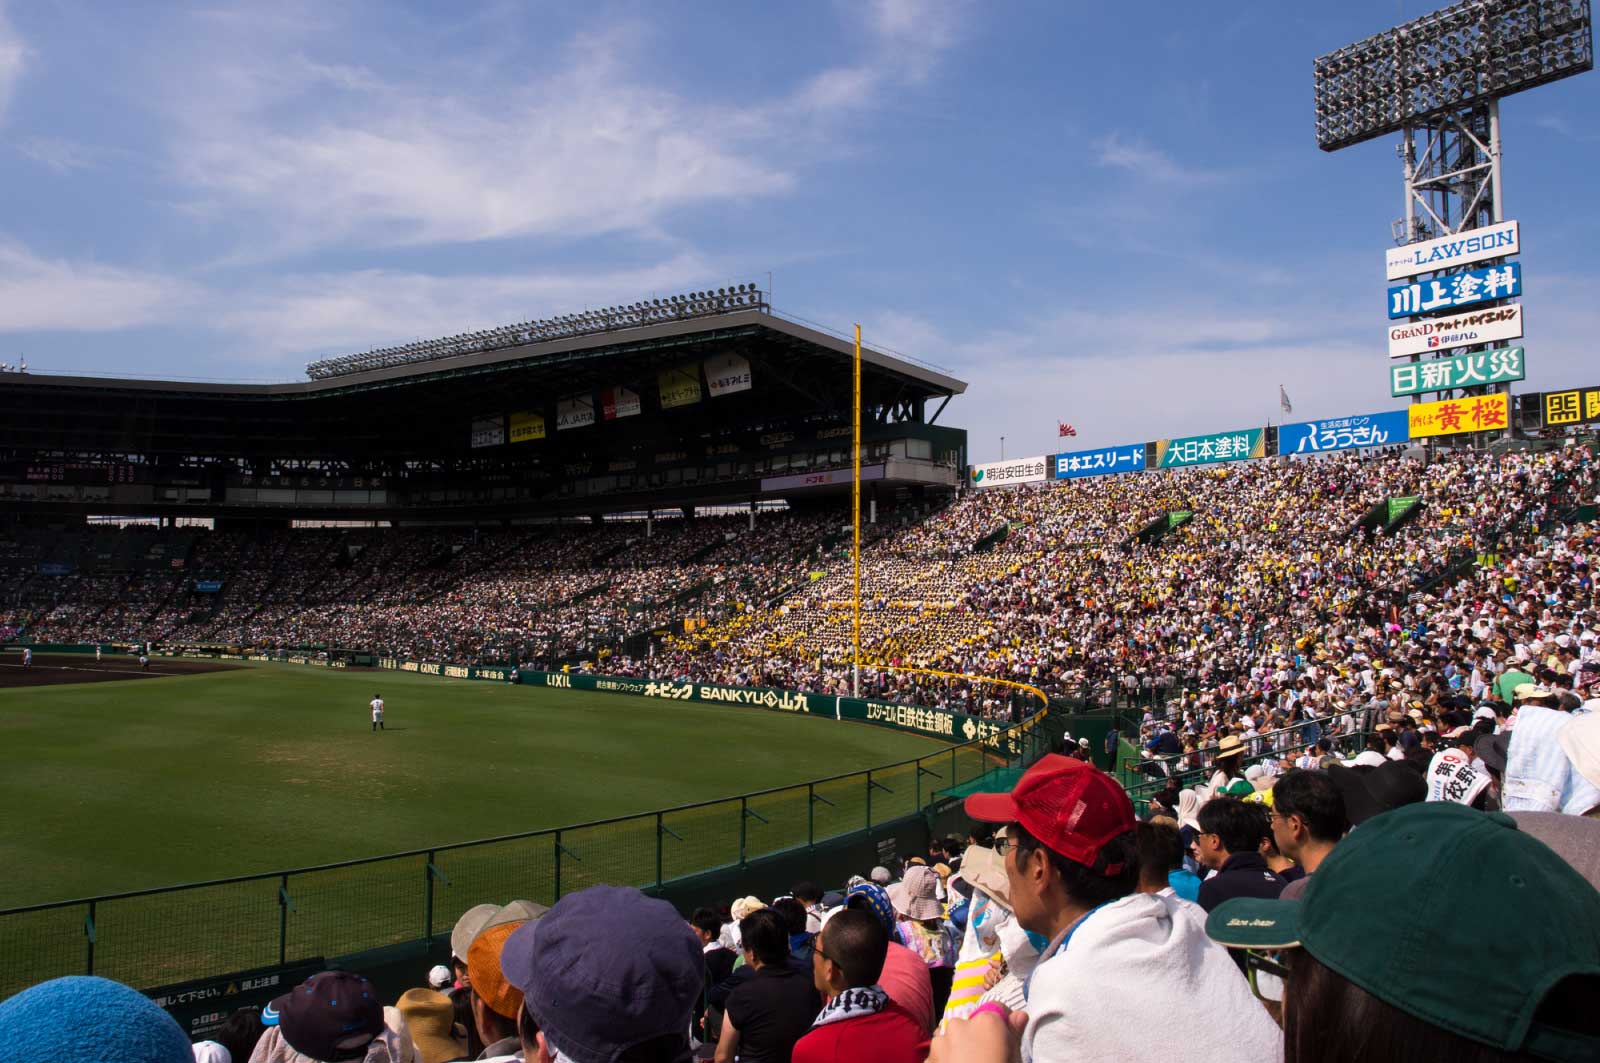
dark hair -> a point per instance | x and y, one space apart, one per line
793 912
707 921
1240 826
806 892
241 1031
766 937
1084 885
1160 851
1313 797
1328 1018
981 836
858 943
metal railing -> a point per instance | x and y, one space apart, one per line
167 935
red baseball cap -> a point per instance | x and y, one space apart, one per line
1072 807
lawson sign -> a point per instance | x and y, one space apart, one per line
1459 249
1345 433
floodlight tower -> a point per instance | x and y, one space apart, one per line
1438 81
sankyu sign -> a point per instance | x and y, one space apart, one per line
1003 473
1098 462
1456 290
1448 252
1461 330
1344 433
1463 371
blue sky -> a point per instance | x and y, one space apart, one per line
1114 215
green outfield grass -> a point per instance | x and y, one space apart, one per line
121 786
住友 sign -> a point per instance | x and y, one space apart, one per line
1344 433
1004 473
1219 446
1447 252
1457 290
1481 413
1462 371
1098 462
1460 330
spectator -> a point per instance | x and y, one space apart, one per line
767 1014
495 1001
794 917
430 1017
859 1023
1231 833
1071 863
1308 819
1367 791
92 1020
330 1017
923 929
1161 867
810 897
1447 988
608 976
905 977
719 961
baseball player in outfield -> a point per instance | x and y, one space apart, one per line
377 713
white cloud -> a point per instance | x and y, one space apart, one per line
43 294
1143 160
13 59
904 42
62 156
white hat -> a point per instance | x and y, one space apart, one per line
1484 712
440 977
1370 758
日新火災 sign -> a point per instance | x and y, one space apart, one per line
1459 330
1447 252
1463 371
1219 446
1480 413
1344 433
1457 290
1099 462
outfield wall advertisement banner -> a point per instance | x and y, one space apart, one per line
1575 406
1457 290
1005 473
1442 333
1219 446
526 427
1344 433
1100 462
1447 252
488 432
1481 413
1463 371
726 374
680 386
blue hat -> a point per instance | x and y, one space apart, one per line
877 902
605 969
89 1020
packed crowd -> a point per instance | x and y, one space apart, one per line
1243 911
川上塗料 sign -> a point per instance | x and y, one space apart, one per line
1459 330
1219 446
1456 290
1099 462
1344 433
1481 413
1002 473
1447 252
1463 371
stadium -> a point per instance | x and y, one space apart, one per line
494 679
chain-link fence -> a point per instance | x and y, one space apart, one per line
160 937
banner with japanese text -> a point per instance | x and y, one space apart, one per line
618 402
1500 240
1574 406
1438 334
1398 506
680 386
1481 413
726 374
574 412
1463 371
1344 433
1219 446
1456 290
1003 473
1100 462
526 426
488 432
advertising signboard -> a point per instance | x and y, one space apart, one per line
1005 473
574 412
1573 406
488 431
618 402
1097 462
726 374
1481 413
1344 433
823 478
1457 290
526 426
1463 371
1460 330
1448 252
680 386
1219 446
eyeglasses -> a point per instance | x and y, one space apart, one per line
816 950
1259 964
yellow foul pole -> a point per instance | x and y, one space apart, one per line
855 550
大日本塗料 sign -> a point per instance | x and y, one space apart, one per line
1219 446
1457 290
1481 413
1492 241
1459 330
1463 371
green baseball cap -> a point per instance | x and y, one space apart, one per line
1498 920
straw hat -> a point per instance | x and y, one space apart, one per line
431 1019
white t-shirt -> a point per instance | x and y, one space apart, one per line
377 708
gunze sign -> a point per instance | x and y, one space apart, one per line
1442 333
1456 290
1474 245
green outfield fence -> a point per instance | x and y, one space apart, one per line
161 937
